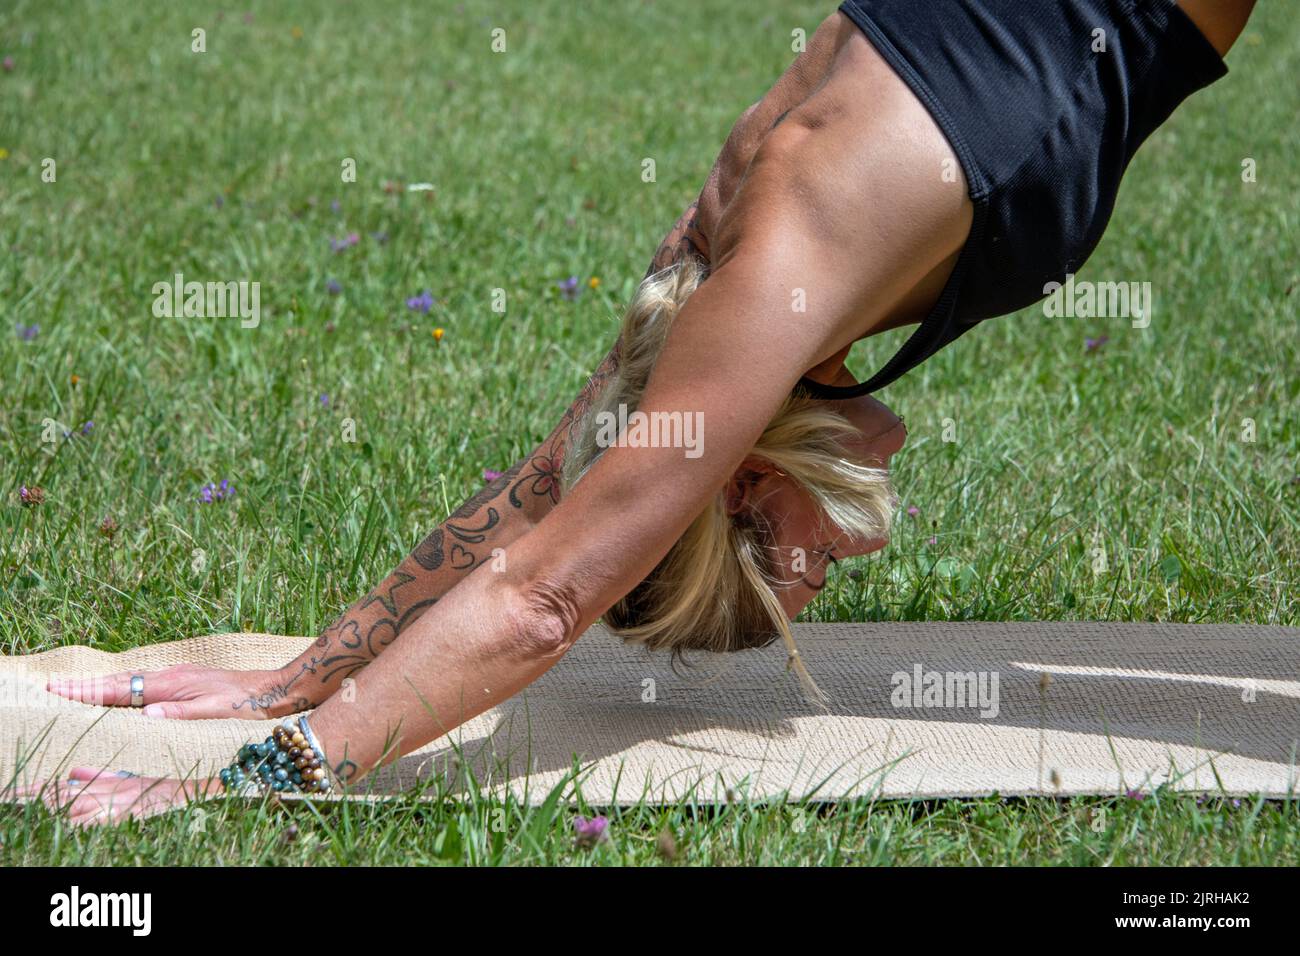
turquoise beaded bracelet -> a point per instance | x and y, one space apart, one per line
288 761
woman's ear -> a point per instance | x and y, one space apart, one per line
740 487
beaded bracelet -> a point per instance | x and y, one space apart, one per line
288 761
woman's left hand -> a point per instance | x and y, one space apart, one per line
93 796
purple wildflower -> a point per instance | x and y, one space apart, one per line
933 540
351 239
420 303
9 64
490 476
913 511
1092 345
219 201
333 287
1135 795
334 206
210 492
325 400
591 832
85 428
569 288
28 332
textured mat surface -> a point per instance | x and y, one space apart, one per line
1127 706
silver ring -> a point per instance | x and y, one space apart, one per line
137 690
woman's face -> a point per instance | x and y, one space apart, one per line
806 542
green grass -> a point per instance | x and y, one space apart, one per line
224 165
1161 829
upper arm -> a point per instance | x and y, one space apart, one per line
735 351
834 223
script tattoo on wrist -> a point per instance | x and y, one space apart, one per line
327 667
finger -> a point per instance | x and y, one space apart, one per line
102 690
114 690
89 811
57 794
40 789
73 792
87 819
171 709
97 773
98 689
29 792
107 806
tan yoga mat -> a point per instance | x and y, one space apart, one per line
917 709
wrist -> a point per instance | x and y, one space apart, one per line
289 690
288 761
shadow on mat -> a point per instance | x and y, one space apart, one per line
1223 696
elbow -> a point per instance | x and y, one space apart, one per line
544 621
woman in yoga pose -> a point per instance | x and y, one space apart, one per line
933 162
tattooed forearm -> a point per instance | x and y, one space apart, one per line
387 596
493 517
686 238
542 480
489 492
428 553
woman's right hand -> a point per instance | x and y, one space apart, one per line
190 692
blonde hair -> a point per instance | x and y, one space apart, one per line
713 590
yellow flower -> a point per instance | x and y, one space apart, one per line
297 33
437 335
76 379
594 282
4 153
